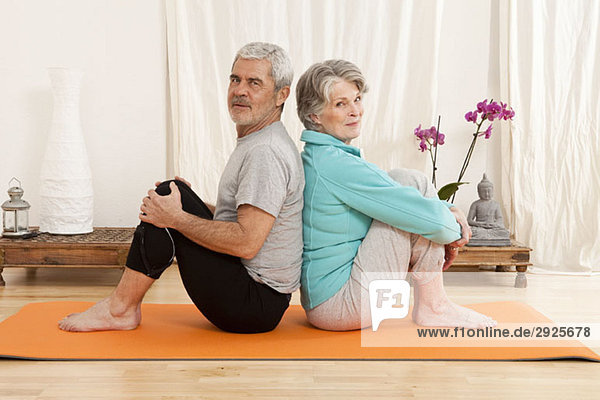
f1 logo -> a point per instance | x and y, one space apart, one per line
389 299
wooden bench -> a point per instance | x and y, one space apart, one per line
108 247
500 257
103 248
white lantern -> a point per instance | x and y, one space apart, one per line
15 214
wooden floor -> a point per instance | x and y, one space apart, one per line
561 298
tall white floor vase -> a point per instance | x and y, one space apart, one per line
66 194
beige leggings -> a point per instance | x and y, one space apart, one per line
387 253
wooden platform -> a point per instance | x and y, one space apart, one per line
108 248
502 258
103 248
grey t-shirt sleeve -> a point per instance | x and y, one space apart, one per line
262 181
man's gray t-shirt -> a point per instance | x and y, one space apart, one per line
265 171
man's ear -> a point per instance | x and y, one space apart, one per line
282 95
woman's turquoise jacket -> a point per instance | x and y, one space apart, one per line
342 195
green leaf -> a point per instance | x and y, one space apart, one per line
448 190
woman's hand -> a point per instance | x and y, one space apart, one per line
450 255
464 228
452 248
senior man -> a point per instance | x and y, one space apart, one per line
239 265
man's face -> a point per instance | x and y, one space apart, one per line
251 95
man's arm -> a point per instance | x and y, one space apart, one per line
243 238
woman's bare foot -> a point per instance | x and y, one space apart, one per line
451 314
102 317
434 308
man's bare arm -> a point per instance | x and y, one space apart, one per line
243 238
211 207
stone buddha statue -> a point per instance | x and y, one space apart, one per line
485 218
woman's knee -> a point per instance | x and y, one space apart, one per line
414 178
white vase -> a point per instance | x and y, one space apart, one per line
66 194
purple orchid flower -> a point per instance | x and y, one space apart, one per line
418 132
508 114
471 116
489 112
488 132
482 106
440 139
428 137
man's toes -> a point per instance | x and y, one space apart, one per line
63 322
66 324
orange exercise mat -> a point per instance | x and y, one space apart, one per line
180 332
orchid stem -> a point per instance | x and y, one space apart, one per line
437 134
463 170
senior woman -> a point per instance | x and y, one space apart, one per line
361 222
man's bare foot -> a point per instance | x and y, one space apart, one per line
100 317
434 308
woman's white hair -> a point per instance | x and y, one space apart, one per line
315 84
281 65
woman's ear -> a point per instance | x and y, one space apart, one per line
315 118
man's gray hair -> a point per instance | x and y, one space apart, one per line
314 87
281 65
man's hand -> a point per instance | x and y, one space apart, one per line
162 211
177 178
211 207
452 248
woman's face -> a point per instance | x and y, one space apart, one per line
342 114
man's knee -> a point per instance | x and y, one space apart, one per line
164 190
190 201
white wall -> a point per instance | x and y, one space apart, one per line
121 47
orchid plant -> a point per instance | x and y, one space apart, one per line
430 138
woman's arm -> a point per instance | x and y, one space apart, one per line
368 189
